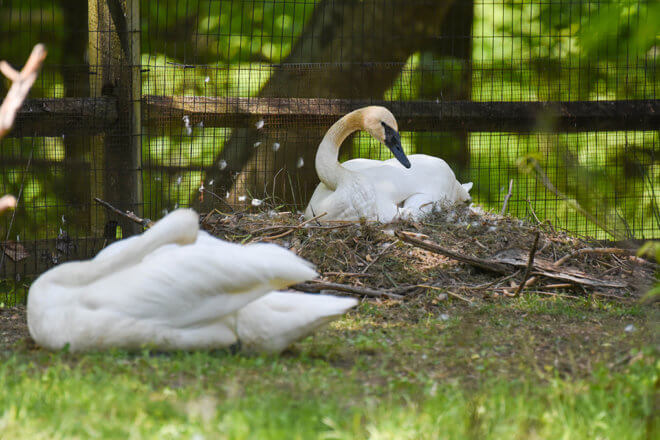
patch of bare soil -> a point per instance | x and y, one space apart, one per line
13 326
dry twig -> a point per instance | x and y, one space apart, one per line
21 83
530 264
145 222
410 237
577 252
317 286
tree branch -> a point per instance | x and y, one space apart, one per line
21 83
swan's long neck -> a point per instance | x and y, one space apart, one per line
327 163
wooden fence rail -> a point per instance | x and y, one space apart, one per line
87 116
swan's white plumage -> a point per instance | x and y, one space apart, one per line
378 190
175 287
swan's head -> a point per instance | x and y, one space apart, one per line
380 123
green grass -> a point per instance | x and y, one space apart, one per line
529 368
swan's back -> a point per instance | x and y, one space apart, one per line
396 191
178 295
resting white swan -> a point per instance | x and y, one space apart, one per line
175 287
374 189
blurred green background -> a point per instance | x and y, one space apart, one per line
391 49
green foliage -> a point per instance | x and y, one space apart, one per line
520 51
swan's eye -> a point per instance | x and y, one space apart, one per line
391 135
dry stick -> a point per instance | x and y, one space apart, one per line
274 228
317 286
290 230
530 264
620 251
507 197
380 254
497 281
219 198
448 292
347 274
145 222
276 236
557 286
409 237
21 83
529 205
561 295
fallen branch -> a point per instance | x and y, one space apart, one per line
505 262
410 237
558 286
317 286
530 264
145 222
601 251
21 83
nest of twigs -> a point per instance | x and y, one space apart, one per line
455 251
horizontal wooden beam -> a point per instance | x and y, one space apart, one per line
89 116
411 115
65 116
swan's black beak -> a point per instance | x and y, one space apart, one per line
393 142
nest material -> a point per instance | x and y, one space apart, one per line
368 258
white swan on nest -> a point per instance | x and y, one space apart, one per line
176 287
374 189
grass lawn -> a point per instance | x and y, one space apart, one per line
522 368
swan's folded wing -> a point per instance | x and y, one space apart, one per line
179 227
191 285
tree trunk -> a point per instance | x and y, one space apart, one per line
446 74
349 49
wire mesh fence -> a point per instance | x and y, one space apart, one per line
154 105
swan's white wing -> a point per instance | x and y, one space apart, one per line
361 164
179 227
275 321
182 286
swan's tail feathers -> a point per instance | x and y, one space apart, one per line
273 322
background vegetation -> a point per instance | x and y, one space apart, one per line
483 51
